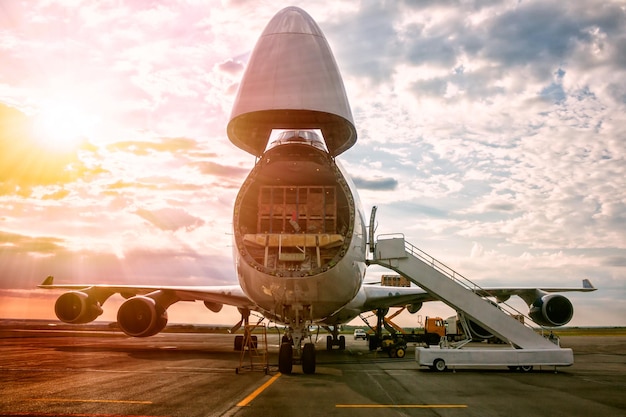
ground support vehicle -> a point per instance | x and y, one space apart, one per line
441 358
434 329
394 345
423 338
360 334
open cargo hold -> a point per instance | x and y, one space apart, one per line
296 227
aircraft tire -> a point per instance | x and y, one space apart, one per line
308 358
342 343
238 343
285 358
329 343
373 342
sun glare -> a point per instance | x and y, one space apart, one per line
62 126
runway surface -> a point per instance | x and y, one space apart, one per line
64 373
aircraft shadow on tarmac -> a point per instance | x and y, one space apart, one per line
156 353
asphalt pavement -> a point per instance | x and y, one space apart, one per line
65 373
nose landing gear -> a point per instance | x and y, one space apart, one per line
291 351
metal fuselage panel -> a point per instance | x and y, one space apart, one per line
299 235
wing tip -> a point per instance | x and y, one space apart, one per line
48 281
587 284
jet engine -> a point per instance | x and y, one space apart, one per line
214 307
414 308
551 310
77 308
478 332
141 317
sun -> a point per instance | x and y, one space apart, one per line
62 125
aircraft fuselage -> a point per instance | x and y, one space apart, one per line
299 234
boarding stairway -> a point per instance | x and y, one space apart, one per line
391 251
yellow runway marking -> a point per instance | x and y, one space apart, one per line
400 406
258 391
69 400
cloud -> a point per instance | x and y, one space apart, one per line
56 195
533 32
372 57
500 206
171 219
380 184
477 250
25 268
143 148
214 168
20 244
231 67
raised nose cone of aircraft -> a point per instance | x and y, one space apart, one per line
291 82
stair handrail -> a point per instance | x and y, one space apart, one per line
458 277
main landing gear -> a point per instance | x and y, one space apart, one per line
239 339
291 351
335 339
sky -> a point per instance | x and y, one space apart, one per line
491 134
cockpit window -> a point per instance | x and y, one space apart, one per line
298 135
306 137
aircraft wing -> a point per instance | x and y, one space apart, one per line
384 297
530 294
371 297
225 294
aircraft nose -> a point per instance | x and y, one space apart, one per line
292 20
291 82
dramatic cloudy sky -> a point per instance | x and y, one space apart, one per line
492 134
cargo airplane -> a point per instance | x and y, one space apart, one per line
300 242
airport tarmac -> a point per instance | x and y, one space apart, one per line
65 373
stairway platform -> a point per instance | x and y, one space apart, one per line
457 292
482 357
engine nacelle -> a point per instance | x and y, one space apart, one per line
478 332
76 307
214 307
414 308
551 310
141 317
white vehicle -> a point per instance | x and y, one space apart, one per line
439 359
360 334
298 226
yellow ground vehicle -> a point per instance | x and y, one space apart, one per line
395 344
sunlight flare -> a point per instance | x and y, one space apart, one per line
62 125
